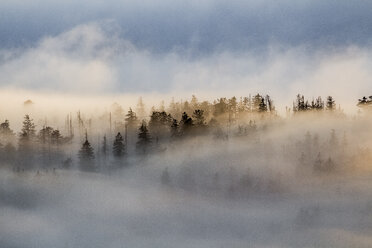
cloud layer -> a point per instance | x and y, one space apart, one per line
94 59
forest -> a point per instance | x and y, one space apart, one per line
306 173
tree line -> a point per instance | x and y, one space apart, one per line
137 134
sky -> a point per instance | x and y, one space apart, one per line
181 48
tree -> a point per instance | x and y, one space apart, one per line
220 107
26 141
118 148
256 102
144 139
160 123
86 156
262 107
174 128
5 132
104 146
44 137
365 102
186 124
45 134
28 128
331 105
131 118
56 137
199 118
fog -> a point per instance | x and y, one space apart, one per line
183 124
253 179
93 59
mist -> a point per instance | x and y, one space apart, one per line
185 124
259 178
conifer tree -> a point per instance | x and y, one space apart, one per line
118 148
186 124
144 139
199 118
331 105
5 132
26 141
174 128
86 156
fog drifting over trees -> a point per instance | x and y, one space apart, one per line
222 172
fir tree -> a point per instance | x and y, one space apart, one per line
331 105
28 129
199 118
144 139
131 118
186 124
174 128
5 132
118 148
26 141
86 156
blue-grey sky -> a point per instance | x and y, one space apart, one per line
279 47
203 26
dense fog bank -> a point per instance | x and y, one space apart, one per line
256 179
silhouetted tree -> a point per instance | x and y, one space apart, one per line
262 107
56 137
144 139
26 141
118 148
220 107
174 129
159 124
186 124
131 118
331 105
6 133
86 156
365 102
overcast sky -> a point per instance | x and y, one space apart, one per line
168 46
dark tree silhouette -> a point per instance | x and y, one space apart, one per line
56 137
26 141
144 139
5 132
86 156
131 119
331 105
28 128
186 124
159 124
118 148
174 128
